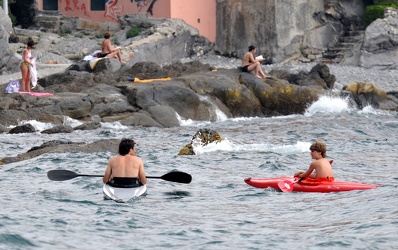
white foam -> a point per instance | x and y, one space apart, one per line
328 104
39 126
190 122
72 122
114 125
228 146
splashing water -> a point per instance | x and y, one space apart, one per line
328 104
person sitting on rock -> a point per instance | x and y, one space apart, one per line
108 50
249 63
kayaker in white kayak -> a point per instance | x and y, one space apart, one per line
125 169
320 169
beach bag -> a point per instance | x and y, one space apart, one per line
12 86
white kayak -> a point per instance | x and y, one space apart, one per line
122 194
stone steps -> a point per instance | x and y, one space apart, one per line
48 21
344 47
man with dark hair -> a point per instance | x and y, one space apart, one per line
322 167
125 169
249 63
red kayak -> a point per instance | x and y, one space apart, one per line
289 184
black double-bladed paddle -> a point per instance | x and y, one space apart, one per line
63 175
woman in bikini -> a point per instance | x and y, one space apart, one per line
26 57
249 63
108 50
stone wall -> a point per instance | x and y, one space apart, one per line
282 29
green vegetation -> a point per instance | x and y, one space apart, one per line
132 32
12 17
115 40
65 32
385 1
373 12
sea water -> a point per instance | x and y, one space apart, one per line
217 210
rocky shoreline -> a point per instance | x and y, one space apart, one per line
386 80
199 81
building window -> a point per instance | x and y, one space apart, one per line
98 4
50 4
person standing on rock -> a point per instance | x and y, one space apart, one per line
249 63
26 62
108 50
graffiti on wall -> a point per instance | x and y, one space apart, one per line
75 4
83 8
141 4
113 10
68 6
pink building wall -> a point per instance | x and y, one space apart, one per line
200 14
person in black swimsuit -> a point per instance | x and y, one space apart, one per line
100 55
125 169
108 50
249 63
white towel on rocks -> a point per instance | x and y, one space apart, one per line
33 73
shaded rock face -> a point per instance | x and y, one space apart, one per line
202 137
25 12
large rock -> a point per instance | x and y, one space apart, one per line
380 44
368 94
110 145
202 137
8 61
5 21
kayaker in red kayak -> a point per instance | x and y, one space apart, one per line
322 167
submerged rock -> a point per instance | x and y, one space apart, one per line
202 136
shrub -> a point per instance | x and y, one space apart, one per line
65 32
13 19
115 40
132 32
374 12
377 2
